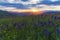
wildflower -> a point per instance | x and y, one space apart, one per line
46 32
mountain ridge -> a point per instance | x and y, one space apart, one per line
4 14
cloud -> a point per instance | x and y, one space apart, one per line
22 2
38 7
48 7
30 2
7 8
10 1
54 0
28 5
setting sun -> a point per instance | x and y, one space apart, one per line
34 10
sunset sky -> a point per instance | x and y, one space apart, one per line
29 5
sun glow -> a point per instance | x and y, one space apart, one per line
34 10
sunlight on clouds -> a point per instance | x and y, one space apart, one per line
31 9
54 0
7 8
30 2
27 2
22 2
47 7
7 1
10 1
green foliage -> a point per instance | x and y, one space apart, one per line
27 28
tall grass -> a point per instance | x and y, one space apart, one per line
43 27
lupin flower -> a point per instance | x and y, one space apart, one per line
35 26
23 24
54 17
46 32
40 23
49 22
57 31
14 24
58 18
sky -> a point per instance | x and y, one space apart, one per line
22 5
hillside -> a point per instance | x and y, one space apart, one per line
6 14
12 14
39 27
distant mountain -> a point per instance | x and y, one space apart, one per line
12 14
51 12
6 14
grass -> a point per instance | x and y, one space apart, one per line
43 27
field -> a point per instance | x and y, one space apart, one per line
40 27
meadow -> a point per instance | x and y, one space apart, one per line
40 27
